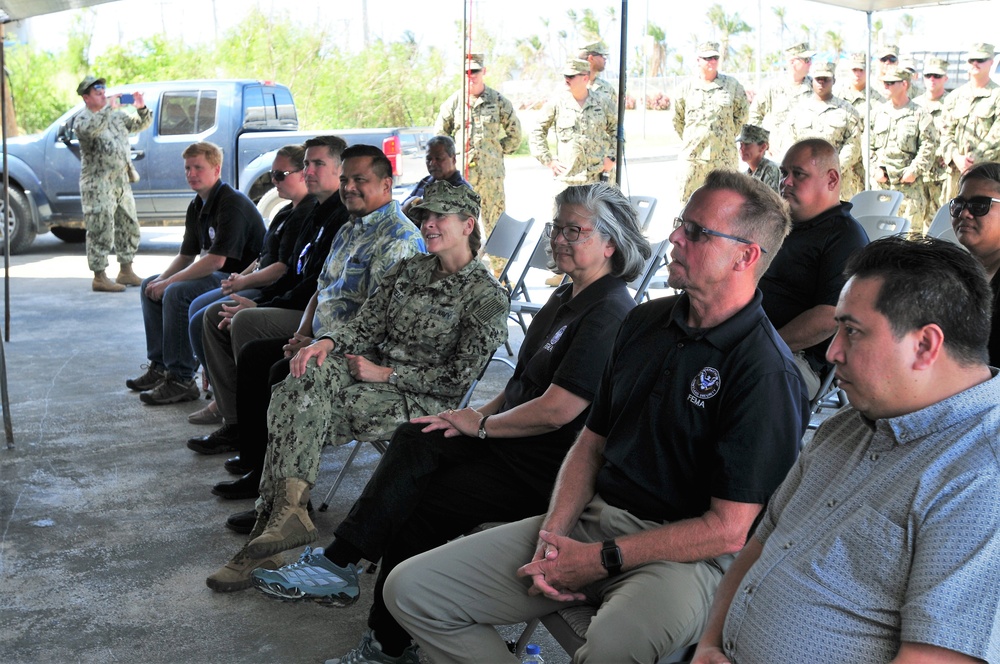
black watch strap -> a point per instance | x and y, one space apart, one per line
611 557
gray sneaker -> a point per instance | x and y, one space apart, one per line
370 652
171 390
147 381
313 576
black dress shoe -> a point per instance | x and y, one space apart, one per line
242 522
224 439
247 486
236 467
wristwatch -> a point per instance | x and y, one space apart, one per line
482 428
611 558
393 377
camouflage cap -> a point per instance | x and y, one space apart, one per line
981 51
753 134
444 198
895 74
857 60
575 67
936 66
708 50
474 61
824 69
800 50
86 84
594 47
886 50
908 64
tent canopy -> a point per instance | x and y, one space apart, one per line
15 10
879 5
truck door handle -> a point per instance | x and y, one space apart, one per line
138 154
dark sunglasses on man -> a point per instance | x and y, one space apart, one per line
978 206
891 59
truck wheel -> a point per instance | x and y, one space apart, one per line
71 235
269 205
18 222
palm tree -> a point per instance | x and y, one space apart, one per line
836 43
726 27
658 50
781 12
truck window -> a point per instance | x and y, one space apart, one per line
187 112
268 107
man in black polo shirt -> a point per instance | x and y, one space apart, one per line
802 285
696 422
224 224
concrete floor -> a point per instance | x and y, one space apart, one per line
107 525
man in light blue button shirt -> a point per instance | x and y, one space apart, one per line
883 543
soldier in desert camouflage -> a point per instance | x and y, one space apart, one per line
932 101
753 146
709 112
596 55
494 131
105 175
772 105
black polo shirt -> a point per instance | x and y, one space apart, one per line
567 344
226 224
294 290
279 241
994 342
694 414
808 270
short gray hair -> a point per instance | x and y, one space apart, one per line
443 141
615 219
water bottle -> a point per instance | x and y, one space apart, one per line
532 654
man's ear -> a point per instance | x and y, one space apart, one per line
928 344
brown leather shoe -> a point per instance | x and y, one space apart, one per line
104 285
126 277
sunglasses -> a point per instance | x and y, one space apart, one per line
978 61
279 176
571 233
822 80
978 206
890 83
889 58
97 86
694 233
933 75
711 57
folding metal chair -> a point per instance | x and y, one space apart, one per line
648 278
828 396
505 242
520 300
883 226
644 205
881 203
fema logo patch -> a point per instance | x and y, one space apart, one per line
706 384
211 233
555 339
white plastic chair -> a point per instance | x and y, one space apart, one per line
644 205
941 227
883 203
878 226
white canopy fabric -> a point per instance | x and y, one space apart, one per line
15 10
884 5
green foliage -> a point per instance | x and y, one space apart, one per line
41 89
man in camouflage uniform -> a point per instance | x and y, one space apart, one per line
709 111
855 93
771 106
972 132
916 87
493 131
585 124
105 173
596 55
822 115
753 144
933 101
904 143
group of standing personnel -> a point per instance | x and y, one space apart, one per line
920 141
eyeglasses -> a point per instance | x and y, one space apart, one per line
978 206
693 233
978 61
572 234
891 59
933 75
279 176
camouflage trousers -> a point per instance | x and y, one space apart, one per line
112 223
328 406
851 182
914 206
488 183
936 195
692 175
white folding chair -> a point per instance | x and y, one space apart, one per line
941 227
644 205
505 242
883 203
878 226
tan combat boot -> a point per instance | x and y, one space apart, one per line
104 285
126 277
289 525
235 575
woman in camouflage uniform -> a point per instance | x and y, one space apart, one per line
413 349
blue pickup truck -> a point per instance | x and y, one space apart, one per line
249 119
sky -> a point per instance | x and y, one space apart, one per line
195 21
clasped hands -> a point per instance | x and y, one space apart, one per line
562 566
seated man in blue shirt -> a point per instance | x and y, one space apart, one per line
882 543
441 165
695 423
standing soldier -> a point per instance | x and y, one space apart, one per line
972 133
753 142
596 55
888 59
106 172
771 107
585 125
933 101
822 115
494 131
855 93
708 114
916 87
904 143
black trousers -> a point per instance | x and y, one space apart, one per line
260 366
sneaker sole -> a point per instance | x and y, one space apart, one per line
276 591
215 449
152 401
